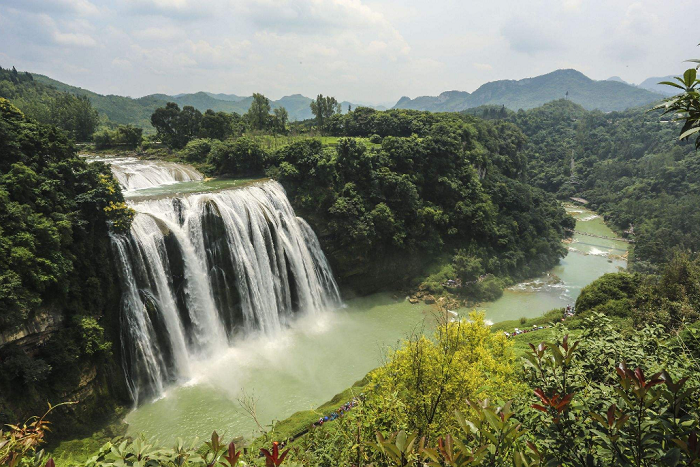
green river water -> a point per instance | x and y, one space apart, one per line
314 360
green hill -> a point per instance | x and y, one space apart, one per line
125 110
532 92
118 109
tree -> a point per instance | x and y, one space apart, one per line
75 115
435 377
124 135
216 125
165 121
324 108
176 127
279 122
686 106
468 268
259 112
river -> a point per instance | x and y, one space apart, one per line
316 359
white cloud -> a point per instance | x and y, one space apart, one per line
79 7
122 64
358 50
165 33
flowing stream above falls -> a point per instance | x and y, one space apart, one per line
194 375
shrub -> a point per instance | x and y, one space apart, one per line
197 150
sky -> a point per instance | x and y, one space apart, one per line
365 51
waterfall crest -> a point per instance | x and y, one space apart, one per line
202 270
136 174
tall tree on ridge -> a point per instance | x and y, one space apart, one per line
324 108
258 114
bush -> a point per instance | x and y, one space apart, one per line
238 158
124 135
613 286
375 139
197 150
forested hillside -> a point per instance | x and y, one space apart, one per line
58 290
532 92
434 184
48 105
630 165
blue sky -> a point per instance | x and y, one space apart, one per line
360 50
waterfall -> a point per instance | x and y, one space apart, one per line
202 270
136 174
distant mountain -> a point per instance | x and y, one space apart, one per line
533 92
126 110
618 79
652 84
226 97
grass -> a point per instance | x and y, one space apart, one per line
273 142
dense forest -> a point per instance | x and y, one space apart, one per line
47 105
432 185
629 165
56 272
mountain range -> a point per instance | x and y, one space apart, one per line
608 95
124 110
533 92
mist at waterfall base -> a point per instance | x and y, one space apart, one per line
288 361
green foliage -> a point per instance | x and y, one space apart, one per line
259 112
323 109
629 165
55 263
467 267
279 121
455 184
217 125
176 127
123 136
611 294
671 299
74 114
197 150
240 157
686 106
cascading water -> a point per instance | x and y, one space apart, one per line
200 271
135 174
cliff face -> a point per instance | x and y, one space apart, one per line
36 332
51 358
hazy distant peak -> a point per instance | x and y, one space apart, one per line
652 84
532 92
617 79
